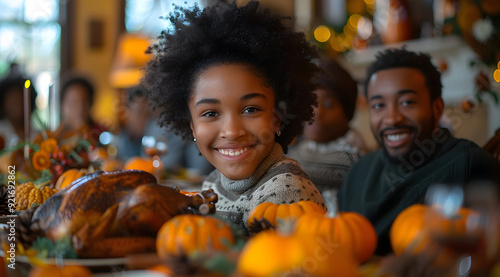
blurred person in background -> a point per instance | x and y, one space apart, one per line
403 90
140 122
12 106
328 146
76 98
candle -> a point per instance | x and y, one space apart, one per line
27 127
50 106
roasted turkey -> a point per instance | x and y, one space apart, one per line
113 214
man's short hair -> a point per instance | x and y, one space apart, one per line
396 58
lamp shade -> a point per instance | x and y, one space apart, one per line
129 60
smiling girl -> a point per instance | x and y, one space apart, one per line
237 80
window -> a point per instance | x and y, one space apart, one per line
30 35
144 15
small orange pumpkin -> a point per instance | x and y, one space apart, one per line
69 176
184 234
140 163
348 229
416 226
64 271
161 268
272 212
298 255
3 267
407 230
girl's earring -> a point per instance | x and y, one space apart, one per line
278 133
194 140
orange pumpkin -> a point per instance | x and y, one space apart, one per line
415 227
272 212
64 271
140 163
271 253
111 165
348 229
184 234
69 176
161 268
3 267
407 230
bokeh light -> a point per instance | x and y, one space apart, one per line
496 75
112 150
365 28
353 21
322 33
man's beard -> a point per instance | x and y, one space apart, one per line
398 159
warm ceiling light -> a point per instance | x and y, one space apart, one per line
130 58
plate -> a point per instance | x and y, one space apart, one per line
85 262
4 219
189 185
132 273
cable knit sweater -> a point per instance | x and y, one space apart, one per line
276 179
326 163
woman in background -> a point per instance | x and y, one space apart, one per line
12 108
329 146
77 97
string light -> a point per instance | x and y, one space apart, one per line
322 33
357 26
496 75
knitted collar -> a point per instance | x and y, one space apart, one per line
240 186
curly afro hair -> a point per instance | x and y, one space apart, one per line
226 34
394 58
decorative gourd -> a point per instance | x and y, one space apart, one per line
60 271
184 234
272 212
69 176
348 229
273 253
416 226
28 194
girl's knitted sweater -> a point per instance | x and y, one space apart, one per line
276 179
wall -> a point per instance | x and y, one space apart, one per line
95 61
457 83
284 7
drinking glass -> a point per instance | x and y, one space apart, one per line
155 147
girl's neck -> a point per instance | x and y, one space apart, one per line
240 186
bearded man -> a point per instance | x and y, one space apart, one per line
403 90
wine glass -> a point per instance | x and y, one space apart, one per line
457 231
154 147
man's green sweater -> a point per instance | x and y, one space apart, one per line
380 189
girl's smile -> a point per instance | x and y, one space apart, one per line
233 118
